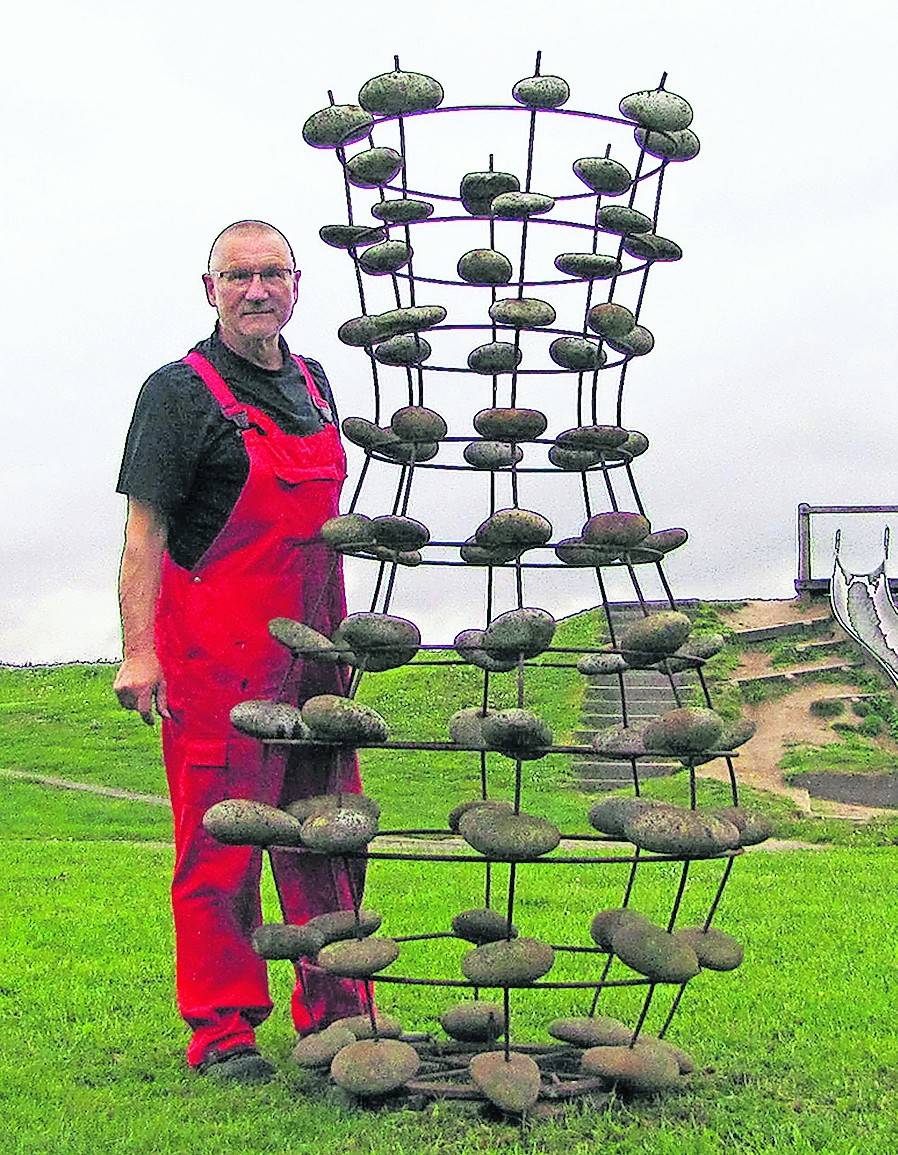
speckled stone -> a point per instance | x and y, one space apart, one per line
337 125
665 539
475 554
357 958
510 1083
542 91
361 431
681 833
506 836
685 730
459 811
339 831
379 641
350 236
610 320
715 950
398 93
494 357
282 941
619 742
518 206
469 646
319 1049
416 451
610 815
514 963
399 532
657 108
242 822
588 266
373 168
510 424
346 529
304 808
636 343
591 664
592 437
372 1067
409 349
478 189
522 312
641 1070
573 460
466 727
583 1031
623 220
677 146
388 1027
484 267
603 175
416 423
385 257
264 719
577 353
336 925
651 247
492 454
526 631
651 951
575 551
635 445
473 1022
481 924
403 211
520 527
616 529
517 733
606 923
753 827
371 328
657 635
341 720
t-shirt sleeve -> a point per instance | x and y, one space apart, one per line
162 446
320 378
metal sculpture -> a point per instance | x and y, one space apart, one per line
515 340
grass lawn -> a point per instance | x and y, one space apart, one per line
797 1049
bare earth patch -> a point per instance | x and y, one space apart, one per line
773 612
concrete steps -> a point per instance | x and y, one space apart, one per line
648 694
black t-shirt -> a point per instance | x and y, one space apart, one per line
187 460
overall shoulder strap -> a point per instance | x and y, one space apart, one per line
230 407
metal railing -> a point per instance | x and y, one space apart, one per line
805 582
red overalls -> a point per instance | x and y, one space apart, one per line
213 642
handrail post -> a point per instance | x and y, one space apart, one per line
804 550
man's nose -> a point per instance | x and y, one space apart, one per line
257 290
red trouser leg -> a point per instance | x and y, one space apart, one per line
222 983
312 884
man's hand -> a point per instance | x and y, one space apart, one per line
140 680
139 683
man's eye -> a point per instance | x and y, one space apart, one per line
240 276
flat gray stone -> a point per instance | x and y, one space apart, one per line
385 257
374 167
577 353
409 349
542 91
403 211
657 108
484 267
479 188
522 312
337 125
603 175
398 93
494 357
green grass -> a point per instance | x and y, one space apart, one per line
797 1049
852 754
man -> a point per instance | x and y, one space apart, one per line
232 463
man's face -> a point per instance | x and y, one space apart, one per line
256 308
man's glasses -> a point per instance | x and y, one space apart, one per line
271 275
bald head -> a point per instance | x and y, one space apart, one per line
240 230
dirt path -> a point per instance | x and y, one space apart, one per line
87 787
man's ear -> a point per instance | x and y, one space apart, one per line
209 285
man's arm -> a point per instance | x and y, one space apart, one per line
140 679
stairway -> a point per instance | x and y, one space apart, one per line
648 693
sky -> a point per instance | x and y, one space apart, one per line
133 134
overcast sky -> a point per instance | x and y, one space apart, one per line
133 134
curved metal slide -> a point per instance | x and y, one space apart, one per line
862 604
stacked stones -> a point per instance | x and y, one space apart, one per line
371 1056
